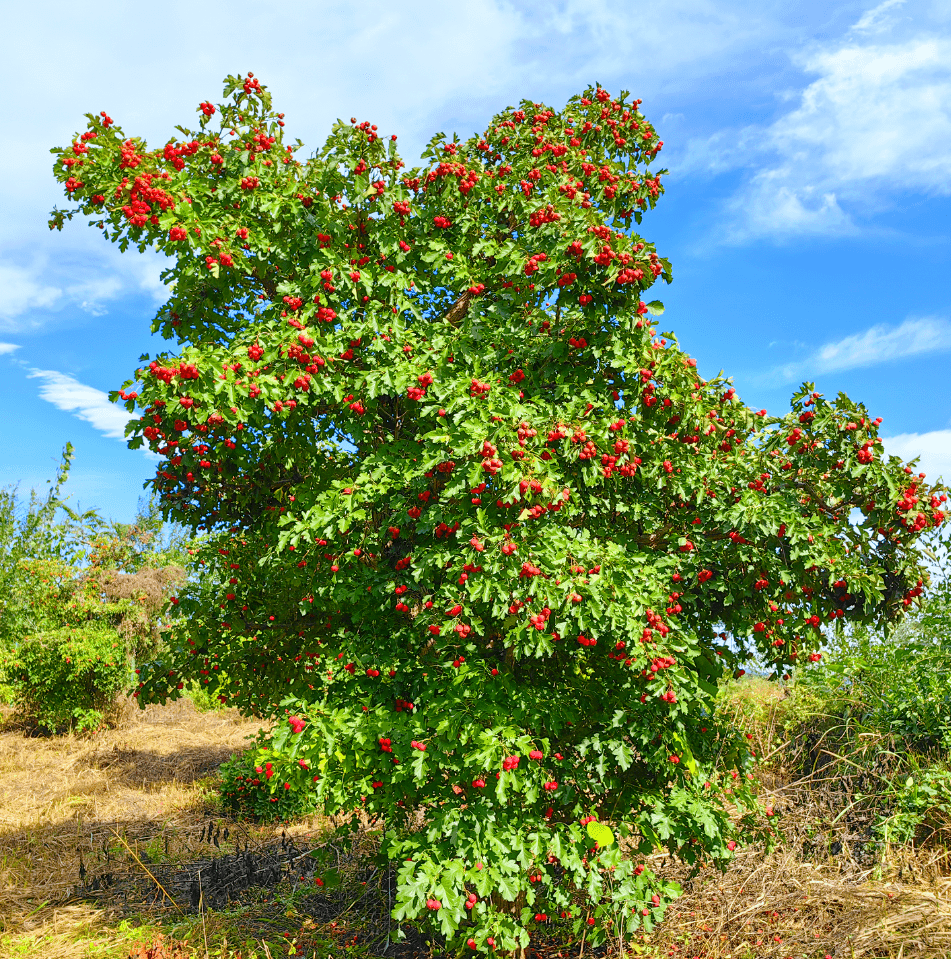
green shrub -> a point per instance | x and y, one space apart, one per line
912 689
874 721
204 698
68 678
6 689
896 684
920 805
900 689
253 792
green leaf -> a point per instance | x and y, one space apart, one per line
600 833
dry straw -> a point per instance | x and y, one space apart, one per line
68 801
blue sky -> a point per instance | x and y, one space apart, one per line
807 214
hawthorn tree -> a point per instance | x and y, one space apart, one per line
483 535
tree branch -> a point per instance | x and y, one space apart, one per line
458 309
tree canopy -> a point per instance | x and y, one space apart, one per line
472 522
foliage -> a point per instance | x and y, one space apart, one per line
871 722
901 689
480 539
920 798
68 678
204 699
246 793
134 565
897 683
39 529
64 573
883 722
148 542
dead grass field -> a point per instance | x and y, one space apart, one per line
143 793
61 798
823 890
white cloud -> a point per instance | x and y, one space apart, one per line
876 113
934 448
421 68
875 122
85 402
771 206
879 18
8 348
598 39
83 276
878 344
23 289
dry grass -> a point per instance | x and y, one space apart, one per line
779 905
825 889
63 798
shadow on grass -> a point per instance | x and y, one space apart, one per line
211 880
108 840
143 767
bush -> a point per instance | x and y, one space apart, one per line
82 588
919 805
247 791
896 682
899 689
873 724
6 687
204 699
68 678
888 711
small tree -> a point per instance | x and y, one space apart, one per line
486 537
80 599
44 528
139 562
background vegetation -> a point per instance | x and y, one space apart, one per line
81 601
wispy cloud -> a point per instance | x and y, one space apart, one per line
876 112
874 121
605 40
878 344
24 289
770 206
83 278
8 348
934 448
879 18
85 402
